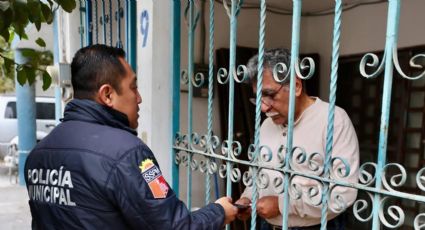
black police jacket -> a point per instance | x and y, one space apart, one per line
92 172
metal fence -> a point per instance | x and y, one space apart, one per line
109 22
381 181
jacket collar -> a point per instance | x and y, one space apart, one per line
93 112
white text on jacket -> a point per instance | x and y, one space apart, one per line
50 185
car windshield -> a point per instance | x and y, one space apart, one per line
45 111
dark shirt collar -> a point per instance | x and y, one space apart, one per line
93 112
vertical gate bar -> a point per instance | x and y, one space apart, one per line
190 95
175 74
131 34
262 33
391 41
81 30
110 22
89 33
232 60
210 97
96 21
331 112
296 20
104 15
118 17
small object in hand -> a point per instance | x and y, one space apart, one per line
242 207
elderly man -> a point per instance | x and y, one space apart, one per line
92 172
310 130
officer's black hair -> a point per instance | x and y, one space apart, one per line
95 65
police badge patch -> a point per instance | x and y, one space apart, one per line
154 178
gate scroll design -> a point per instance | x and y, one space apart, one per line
376 179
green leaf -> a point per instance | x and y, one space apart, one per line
40 42
20 30
21 76
33 10
30 74
24 36
67 5
1 21
34 13
8 63
37 25
47 13
6 18
5 34
11 36
47 80
29 53
21 13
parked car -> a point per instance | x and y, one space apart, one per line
45 120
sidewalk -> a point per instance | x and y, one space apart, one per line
14 209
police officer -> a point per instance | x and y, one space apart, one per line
92 172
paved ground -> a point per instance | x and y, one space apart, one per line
14 210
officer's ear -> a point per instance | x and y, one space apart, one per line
105 95
298 86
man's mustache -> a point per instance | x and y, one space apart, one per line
271 114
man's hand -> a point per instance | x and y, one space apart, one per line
230 211
246 213
268 207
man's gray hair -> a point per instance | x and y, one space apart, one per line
271 57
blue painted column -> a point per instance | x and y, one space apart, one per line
26 119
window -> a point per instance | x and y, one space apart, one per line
45 111
10 112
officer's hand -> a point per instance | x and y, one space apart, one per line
268 207
244 214
230 211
